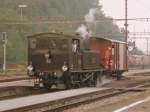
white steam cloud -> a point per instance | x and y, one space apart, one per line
85 30
90 17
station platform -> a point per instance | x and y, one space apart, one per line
6 105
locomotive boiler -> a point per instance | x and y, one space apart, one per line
67 61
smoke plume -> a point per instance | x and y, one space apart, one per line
90 17
83 31
86 30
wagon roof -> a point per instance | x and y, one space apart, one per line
111 40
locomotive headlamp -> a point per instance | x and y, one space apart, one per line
64 67
47 55
30 70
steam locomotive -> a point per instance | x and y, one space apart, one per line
68 61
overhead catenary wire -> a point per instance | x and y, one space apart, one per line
147 19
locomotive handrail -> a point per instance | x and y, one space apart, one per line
97 70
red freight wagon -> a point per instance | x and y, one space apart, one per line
112 52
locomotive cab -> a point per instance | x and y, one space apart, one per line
50 56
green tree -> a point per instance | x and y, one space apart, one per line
46 10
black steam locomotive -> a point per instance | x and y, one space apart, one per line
63 61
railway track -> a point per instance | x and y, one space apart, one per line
53 103
102 95
57 103
16 89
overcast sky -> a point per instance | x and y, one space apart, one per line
136 9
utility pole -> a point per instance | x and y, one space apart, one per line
126 30
147 45
4 40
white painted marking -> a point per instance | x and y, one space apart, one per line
131 105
